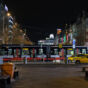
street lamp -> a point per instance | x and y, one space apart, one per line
10 27
8 14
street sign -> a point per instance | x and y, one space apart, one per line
74 41
73 46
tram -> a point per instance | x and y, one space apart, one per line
38 53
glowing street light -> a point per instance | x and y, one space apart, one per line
8 14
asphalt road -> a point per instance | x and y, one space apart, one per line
50 76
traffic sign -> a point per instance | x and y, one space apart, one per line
74 41
73 46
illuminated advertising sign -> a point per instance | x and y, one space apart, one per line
58 31
25 48
64 38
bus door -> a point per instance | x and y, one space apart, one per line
83 51
70 52
17 54
10 53
33 53
77 51
54 53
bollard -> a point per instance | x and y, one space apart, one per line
83 69
16 74
86 75
5 82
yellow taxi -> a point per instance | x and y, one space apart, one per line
80 58
71 59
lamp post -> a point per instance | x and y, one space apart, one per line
8 14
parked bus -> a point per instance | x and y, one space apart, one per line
38 53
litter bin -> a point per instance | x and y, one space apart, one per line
8 69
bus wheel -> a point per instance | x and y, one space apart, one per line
77 62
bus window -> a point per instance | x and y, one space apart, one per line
56 52
25 51
63 52
40 51
10 52
77 51
83 51
1 52
33 53
17 53
70 52
4 53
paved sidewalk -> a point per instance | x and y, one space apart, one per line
50 77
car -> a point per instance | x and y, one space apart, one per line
80 58
71 59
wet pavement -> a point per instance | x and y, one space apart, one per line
49 76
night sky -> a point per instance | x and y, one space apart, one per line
42 17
